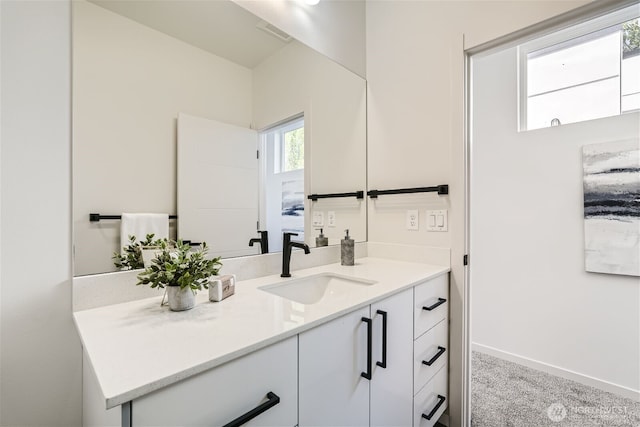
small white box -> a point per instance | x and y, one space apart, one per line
221 287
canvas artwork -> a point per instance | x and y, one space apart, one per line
612 207
293 207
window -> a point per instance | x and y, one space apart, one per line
282 186
289 147
589 71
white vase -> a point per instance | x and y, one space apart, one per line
180 299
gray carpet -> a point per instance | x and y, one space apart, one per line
507 394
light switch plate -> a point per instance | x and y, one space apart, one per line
413 220
331 219
437 220
318 219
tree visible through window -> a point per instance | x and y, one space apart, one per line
631 38
294 149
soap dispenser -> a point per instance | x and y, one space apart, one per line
322 240
347 250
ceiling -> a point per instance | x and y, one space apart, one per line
218 26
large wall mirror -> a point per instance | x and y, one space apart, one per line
203 111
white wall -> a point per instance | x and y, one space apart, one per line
333 28
334 102
41 359
130 83
415 75
528 240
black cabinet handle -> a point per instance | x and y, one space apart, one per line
383 364
440 352
367 374
272 400
441 400
439 303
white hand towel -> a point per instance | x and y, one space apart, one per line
141 224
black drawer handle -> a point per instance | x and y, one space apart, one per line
383 364
440 352
441 400
272 400
367 374
439 303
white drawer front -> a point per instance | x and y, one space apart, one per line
222 394
427 295
433 395
432 347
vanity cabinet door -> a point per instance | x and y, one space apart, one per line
392 379
332 357
221 395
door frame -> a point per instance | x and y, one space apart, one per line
572 17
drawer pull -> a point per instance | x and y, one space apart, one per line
272 400
440 352
441 400
367 374
383 364
439 303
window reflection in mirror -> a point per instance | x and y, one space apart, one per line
282 205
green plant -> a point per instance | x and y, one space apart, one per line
631 38
181 266
132 256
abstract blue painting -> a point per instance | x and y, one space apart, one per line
293 207
612 207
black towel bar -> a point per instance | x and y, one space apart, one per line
95 217
356 194
440 189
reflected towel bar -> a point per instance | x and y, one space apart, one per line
315 197
95 217
440 189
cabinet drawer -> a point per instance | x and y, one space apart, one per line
432 400
222 394
429 308
432 349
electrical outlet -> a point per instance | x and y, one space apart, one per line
437 220
318 219
413 221
331 219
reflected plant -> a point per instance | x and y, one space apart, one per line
131 258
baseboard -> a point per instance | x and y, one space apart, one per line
622 391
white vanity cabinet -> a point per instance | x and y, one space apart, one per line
350 375
383 364
221 395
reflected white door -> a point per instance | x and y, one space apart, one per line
217 185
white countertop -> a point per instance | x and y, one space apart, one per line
138 347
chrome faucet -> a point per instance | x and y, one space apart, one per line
287 245
263 240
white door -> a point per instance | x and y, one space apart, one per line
332 391
392 384
217 185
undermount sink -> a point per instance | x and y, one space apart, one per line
311 289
